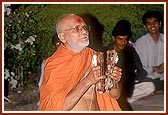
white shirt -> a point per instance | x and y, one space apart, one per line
151 54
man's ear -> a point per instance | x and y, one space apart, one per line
113 38
61 37
145 27
160 24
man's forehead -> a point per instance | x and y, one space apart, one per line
151 19
124 37
70 20
78 19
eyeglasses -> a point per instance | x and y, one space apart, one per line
79 28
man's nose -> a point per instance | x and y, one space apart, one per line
124 42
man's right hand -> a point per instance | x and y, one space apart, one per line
94 75
159 69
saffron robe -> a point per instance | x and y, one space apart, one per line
62 71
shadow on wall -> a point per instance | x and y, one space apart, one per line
95 33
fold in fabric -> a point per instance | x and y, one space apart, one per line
62 71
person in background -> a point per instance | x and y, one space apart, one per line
150 48
69 75
129 62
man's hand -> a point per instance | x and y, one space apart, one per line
159 69
116 74
114 92
94 75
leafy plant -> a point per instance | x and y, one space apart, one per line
20 46
29 28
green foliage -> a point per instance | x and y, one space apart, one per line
106 14
21 44
38 21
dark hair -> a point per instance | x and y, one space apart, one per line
123 27
150 14
55 40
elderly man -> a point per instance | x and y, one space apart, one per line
69 75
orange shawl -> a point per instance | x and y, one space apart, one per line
62 71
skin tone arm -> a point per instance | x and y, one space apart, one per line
91 78
79 90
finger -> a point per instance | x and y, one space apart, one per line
116 75
102 77
117 79
117 68
96 72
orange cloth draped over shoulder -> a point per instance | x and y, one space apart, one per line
62 71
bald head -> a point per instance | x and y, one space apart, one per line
73 32
65 21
